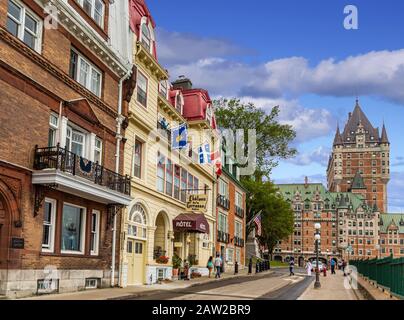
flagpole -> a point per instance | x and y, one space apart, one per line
259 212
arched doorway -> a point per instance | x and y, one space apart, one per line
160 236
136 249
4 233
278 258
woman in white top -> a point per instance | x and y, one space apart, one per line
309 266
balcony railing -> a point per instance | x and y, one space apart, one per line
238 242
223 202
223 237
61 159
239 212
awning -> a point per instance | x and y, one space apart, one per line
191 223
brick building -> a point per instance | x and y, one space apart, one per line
61 127
391 235
231 218
360 149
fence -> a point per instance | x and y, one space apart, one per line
388 273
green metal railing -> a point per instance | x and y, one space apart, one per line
388 273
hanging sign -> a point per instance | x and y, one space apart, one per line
197 202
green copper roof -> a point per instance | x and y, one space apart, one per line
388 218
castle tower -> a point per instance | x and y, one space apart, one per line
360 160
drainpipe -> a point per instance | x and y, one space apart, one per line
119 120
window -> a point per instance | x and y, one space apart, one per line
146 38
73 228
85 73
223 188
222 224
177 178
53 127
239 200
196 185
163 88
238 229
169 178
190 183
95 231
95 9
24 25
184 175
238 256
160 172
75 141
142 89
230 255
137 222
49 219
137 159
98 150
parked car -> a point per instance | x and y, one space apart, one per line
314 266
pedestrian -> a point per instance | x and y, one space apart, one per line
210 265
291 266
343 267
339 264
309 266
332 263
186 270
218 265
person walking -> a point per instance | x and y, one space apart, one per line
332 264
309 266
210 265
186 270
218 265
343 267
291 266
339 264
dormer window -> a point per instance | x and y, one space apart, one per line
95 9
178 103
209 114
146 38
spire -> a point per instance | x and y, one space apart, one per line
384 138
358 182
338 138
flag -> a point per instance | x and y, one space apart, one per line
216 158
257 221
204 154
179 137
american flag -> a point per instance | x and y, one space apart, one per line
257 221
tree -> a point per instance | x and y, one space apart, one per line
273 138
276 213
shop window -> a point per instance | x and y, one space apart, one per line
49 219
95 232
85 72
24 24
73 229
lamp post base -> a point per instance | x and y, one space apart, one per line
317 284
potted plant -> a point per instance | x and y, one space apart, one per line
177 261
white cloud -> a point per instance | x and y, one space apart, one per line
319 155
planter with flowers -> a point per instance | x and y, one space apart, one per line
162 260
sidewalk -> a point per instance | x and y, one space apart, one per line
140 290
332 288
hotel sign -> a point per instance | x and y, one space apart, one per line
197 203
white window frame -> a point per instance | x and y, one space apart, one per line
21 24
96 232
226 219
83 230
140 74
52 226
231 256
150 44
98 149
162 92
92 14
92 68
223 186
238 229
79 132
54 128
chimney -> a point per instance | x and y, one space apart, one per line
182 83
306 182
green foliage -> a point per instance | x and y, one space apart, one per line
273 138
177 261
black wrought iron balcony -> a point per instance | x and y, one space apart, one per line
239 212
223 202
223 237
65 161
238 242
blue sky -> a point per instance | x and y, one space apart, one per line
298 55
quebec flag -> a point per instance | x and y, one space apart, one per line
204 154
179 137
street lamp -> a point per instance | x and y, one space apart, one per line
317 237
